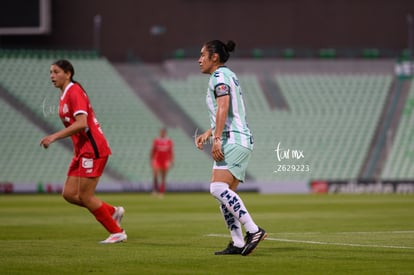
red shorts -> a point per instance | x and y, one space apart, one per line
87 167
162 164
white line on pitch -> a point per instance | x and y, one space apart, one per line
377 232
345 232
325 243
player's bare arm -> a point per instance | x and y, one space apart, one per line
80 124
221 116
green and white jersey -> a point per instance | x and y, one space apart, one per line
223 82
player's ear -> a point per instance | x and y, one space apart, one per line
68 75
215 57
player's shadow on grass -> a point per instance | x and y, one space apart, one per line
279 249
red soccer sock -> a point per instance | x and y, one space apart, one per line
103 215
110 208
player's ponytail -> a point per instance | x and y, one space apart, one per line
231 45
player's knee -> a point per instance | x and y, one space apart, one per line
69 197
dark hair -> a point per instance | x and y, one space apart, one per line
223 50
66 66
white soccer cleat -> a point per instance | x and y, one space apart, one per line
116 238
118 214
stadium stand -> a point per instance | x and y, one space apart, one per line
128 124
335 118
331 119
22 160
400 161
326 125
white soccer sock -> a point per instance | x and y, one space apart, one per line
234 204
234 226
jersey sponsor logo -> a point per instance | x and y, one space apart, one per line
221 90
65 108
237 165
233 202
87 163
230 220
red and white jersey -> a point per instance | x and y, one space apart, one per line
162 149
90 142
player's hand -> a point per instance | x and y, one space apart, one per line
216 151
46 141
200 140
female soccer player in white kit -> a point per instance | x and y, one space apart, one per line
232 146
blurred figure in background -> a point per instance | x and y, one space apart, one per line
162 159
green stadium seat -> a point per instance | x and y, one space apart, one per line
400 160
127 122
327 53
288 53
330 117
370 53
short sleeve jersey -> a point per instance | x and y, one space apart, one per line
162 149
224 82
90 142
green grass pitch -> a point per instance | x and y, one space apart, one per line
307 234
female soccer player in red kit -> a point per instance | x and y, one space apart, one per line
91 150
162 158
